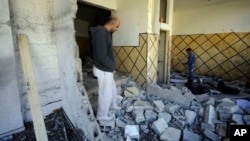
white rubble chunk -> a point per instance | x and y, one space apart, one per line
190 116
171 108
228 107
210 114
138 115
132 131
150 115
159 105
171 134
159 126
166 116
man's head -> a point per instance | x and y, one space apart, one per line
188 50
112 24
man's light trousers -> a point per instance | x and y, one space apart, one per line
106 91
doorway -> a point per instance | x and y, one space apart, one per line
87 16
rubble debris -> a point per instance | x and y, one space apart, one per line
58 127
161 114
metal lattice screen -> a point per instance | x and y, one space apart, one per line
222 54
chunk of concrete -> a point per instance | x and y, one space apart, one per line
159 126
211 135
228 107
131 91
132 131
211 101
190 136
210 114
150 115
190 116
171 134
166 116
138 115
171 108
159 105
138 105
169 95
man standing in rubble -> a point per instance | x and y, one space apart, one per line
190 63
104 66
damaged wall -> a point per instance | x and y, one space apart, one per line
220 37
35 19
11 120
75 101
49 26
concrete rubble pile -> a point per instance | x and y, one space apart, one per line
171 114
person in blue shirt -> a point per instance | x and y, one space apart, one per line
190 62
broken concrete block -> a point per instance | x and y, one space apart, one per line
211 135
131 91
211 101
190 116
179 123
132 131
106 125
159 126
227 100
120 122
190 136
210 114
202 97
189 96
166 116
159 106
150 115
226 117
138 115
228 107
221 129
238 119
138 105
207 126
169 95
148 105
171 134
171 108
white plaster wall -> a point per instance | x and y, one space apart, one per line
74 97
11 120
134 20
35 19
232 16
106 4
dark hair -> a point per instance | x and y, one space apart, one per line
188 49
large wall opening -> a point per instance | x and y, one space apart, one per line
87 16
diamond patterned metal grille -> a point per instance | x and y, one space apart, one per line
223 54
141 61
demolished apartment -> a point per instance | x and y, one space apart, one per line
148 51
